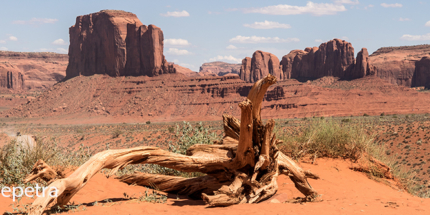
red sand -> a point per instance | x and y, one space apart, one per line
343 192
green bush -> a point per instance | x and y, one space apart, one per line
187 136
148 122
171 129
349 141
16 160
327 138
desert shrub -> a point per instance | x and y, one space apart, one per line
116 133
148 122
171 129
327 138
16 160
365 114
394 116
187 136
382 114
350 141
346 120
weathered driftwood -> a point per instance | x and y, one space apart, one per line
242 168
43 171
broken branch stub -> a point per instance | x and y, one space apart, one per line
242 168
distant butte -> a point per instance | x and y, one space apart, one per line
333 58
115 43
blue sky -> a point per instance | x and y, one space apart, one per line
198 31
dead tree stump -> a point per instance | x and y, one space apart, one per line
241 168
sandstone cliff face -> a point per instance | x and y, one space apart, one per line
39 70
245 69
397 64
260 65
10 77
115 43
362 66
421 75
220 68
333 58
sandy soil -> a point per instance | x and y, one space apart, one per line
343 192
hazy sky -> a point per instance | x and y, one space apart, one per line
198 31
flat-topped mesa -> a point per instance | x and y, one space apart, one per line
260 65
220 68
115 43
398 64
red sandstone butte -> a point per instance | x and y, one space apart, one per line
115 43
261 64
333 58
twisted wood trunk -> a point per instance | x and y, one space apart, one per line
241 168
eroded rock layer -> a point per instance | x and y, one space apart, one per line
175 97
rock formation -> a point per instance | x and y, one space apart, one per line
115 43
10 77
185 71
261 64
362 66
220 68
245 69
421 75
39 70
333 58
397 64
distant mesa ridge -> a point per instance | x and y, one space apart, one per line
333 58
115 43
219 68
